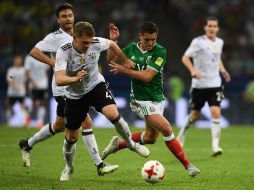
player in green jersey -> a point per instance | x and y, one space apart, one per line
147 99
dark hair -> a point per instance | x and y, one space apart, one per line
83 28
148 27
63 7
211 18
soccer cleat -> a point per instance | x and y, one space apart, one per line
111 148
216 151
141 150
104 168
25 150
192 170
181 136
66 173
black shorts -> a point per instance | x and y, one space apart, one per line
60 106
213 96
76 109
39 94
13 100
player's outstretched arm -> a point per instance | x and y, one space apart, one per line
142 75
113 35
40 56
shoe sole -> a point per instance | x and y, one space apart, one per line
103 157
218 153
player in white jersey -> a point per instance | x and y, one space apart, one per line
51 43
38 85
77 67
206 85
16 78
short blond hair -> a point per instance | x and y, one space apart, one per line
84 28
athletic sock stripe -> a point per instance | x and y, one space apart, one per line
84 133
116 119
51 130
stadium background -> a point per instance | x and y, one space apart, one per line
23 23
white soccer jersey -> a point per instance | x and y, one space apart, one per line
206 55
38 71
50 44
18 76
68 59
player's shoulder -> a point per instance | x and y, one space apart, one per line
159 47
220 40
199 38
66 46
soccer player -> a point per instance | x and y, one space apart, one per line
39 88
77 67
16 78
205 70
51 43
147 99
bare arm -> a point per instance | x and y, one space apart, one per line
187 62
142 75
40 56
224 73
62 79
113 35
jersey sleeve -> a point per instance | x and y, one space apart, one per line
193 49
61 59
48 44
27 63
158 60
104 43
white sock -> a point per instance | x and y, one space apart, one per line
188 122
124 130
41 114
215 131
91 145
68 152
44 133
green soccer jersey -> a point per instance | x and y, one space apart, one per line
155 59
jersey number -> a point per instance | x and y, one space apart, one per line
108 95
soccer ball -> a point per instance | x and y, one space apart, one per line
153 171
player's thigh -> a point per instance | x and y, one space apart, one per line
75 112
197 99
144 108
103 101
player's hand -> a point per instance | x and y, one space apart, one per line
226 76
195 74
129 64
81 74
113 32
116 68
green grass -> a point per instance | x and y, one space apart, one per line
232 170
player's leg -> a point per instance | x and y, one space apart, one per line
214 99
69 148
159 122
91 145
41 107
216 130
112 114
196 102
44 133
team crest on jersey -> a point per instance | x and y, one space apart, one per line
133 57
148 58
92 57
159 61
152 109
82 60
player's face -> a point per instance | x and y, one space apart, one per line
211 29
148 41
82 43
18 61
66 19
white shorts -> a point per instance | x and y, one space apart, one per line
142 108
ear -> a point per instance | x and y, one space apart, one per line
139 36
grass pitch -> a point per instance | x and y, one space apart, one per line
233 170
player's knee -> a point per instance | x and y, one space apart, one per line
58 126
71 139
150 140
